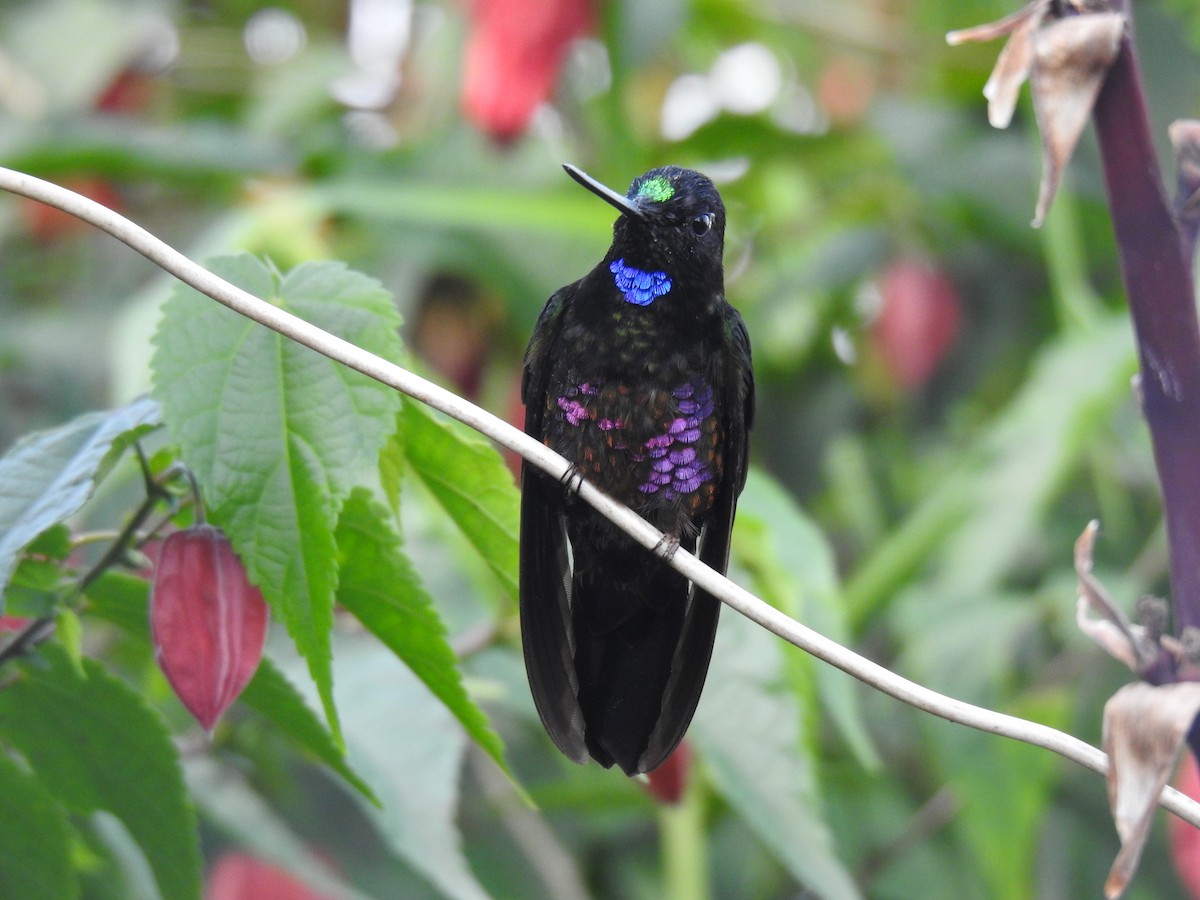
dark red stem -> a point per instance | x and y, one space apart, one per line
1159 288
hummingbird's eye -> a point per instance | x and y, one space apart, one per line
701 225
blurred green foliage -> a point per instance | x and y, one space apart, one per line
944 511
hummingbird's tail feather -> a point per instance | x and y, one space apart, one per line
641 654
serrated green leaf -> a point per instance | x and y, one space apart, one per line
123 600
36 838
748 728
381 588
391 469
47 476
272 696
96 745
469 480
277 434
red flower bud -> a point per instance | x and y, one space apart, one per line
237 876
514 53
13 623
918 322
46 224
208 622
667 783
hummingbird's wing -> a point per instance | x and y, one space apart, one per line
735 388
545 558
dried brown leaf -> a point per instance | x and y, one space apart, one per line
1015 60
1144 729
1112 631
1012 68
1071 57
1185 139
1001 27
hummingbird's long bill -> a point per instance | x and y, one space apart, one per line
620 201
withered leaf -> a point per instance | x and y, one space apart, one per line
1144 728
1185 140
1012 68
1112 631
1071 57
1065 58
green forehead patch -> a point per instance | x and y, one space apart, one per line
659 189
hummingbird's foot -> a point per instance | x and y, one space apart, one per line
666 548
571 482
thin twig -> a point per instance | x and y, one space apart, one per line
536 453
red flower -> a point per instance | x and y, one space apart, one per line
667 783
240 877
917 324
46 224
13 623
515 50
208 622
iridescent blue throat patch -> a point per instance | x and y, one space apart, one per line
640 288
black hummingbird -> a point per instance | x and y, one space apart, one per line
639 374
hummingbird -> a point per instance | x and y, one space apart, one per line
639 374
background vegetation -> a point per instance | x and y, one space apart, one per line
917 493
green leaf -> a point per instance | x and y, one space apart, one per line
231 803
748 728
564 212
469 480
47 476
409 748
70 635
1004 803
270 694
793 568
36 838
113 865
96 745
987 510
277 434
34 587
380 587
122 599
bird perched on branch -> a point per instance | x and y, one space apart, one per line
639 374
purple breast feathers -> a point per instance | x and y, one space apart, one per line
678 466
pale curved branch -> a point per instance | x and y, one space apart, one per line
543 457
